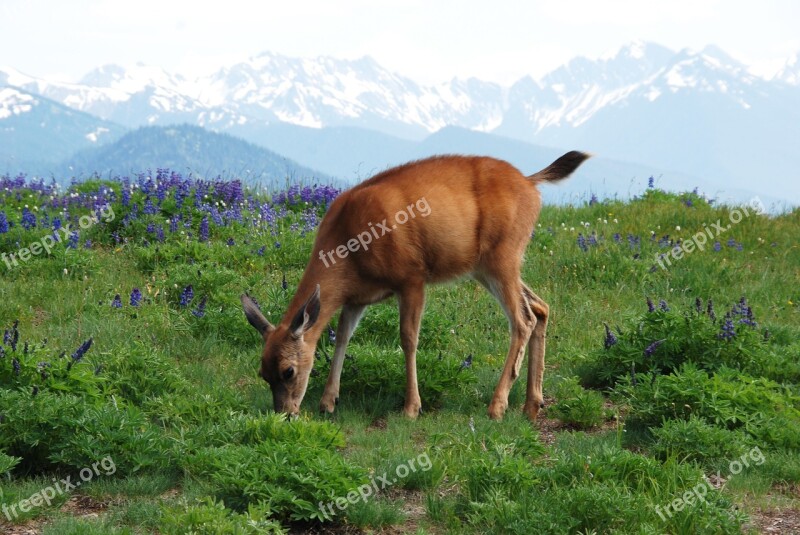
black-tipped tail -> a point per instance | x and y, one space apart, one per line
561 168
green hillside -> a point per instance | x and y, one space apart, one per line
130 402
188 149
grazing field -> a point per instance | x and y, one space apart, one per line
130 402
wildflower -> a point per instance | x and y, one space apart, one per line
331 335
582 243
717 247
230 242
611 338
728 331
15 365
648 351
116 302
200 311
277 245
710 311
72 243
187 295
650 307
261 250
203 232
84 347
467 363
698 305
136 297
593 200
35 391
651 182
3 222
663 305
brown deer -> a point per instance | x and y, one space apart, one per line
424 222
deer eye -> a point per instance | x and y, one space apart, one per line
288 373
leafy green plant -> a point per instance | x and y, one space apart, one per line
697 440
577 406
210 517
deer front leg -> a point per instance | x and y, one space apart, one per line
412 302
348 321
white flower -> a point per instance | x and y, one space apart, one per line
677 227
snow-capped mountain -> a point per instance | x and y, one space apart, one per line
701 112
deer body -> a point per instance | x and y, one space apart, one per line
424 222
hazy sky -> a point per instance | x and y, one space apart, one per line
427 40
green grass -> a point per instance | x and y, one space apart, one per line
175 401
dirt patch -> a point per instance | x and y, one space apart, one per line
775 521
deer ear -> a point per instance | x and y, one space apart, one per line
254 316
307 316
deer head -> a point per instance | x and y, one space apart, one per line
287 358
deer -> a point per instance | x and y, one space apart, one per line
424 222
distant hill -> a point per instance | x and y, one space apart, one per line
36 132
187 148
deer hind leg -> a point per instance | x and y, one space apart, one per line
534 399
522 321
348 321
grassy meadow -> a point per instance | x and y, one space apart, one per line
130 401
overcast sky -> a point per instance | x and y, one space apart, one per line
428 40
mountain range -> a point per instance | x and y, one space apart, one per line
696 116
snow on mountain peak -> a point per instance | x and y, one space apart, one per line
14 102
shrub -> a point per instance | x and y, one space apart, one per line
576 406
697 440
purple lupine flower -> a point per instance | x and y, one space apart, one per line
203 233
650 307
277 245
3 222
611 338
200 311
593 200
467 363
28 219
230 242
116 302
617 237
663 305
698 305
186 296
15 365
648 351
651 182
717 247
72 243
136 297
582 243
260 251
331 335
710 311
728 331
81 351
14 335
